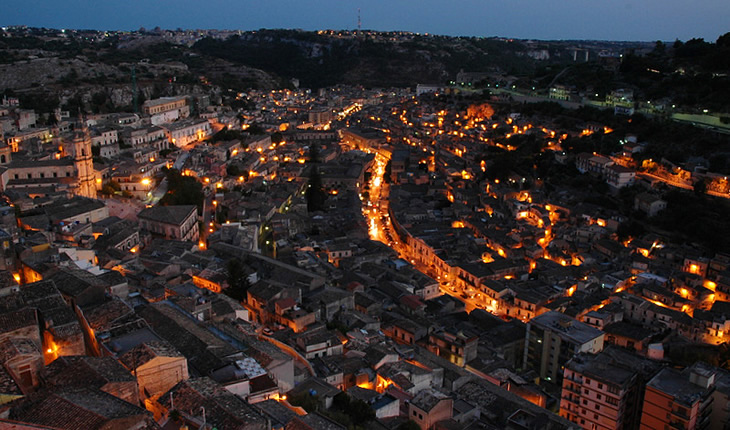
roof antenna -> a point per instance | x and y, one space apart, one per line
359 22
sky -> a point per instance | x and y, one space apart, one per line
642 20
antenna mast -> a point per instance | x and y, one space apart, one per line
359 22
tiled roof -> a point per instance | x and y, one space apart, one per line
222 409
147 351
74 409
86 372
167 214
16 320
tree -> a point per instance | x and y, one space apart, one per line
237 280
309 402
387 172
409 425
659 48
314 153
700 187
315 193
724 40
110 188
233 170
360 412
629 229
182 190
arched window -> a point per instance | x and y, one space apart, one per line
2 159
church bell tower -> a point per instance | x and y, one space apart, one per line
84 163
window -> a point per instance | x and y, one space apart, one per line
598 407
600 386
30 175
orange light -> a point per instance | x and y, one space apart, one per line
201 245
145 181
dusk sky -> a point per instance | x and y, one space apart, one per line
646 20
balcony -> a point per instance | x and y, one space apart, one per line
572 388
681 414
677 425
572 399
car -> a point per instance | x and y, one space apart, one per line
267 331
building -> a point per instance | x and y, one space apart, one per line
76 408
457 346
184 132
619 176
649 204
560 92
679 399
605 391
428 88
101 373
553 338
72 169
166 109
620 98
172 222
157 365
429 407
